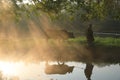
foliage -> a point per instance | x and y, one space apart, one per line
86 10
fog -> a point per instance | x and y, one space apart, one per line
34 38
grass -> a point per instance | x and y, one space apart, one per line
108 41
99 41
81 40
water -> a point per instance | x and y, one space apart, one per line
36 71
53 61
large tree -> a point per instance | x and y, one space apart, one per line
89 9
86 10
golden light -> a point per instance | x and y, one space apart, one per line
5 4
8 68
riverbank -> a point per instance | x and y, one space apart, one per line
54 50
99 41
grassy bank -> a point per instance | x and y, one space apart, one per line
28 42
101 41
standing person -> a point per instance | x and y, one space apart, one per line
89 35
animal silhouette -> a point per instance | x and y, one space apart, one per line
58 69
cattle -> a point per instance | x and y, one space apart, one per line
58 69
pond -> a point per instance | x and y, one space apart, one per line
59 62
58 71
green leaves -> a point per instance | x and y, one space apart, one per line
86 10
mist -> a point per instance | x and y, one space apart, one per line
30 39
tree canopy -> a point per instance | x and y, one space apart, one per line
84 9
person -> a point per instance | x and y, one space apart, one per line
89 35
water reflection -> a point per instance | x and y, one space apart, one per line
58 68
33 63
88 70
3 77
61 71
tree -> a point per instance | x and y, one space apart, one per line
88 9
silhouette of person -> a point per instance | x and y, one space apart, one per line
88 71
89 35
